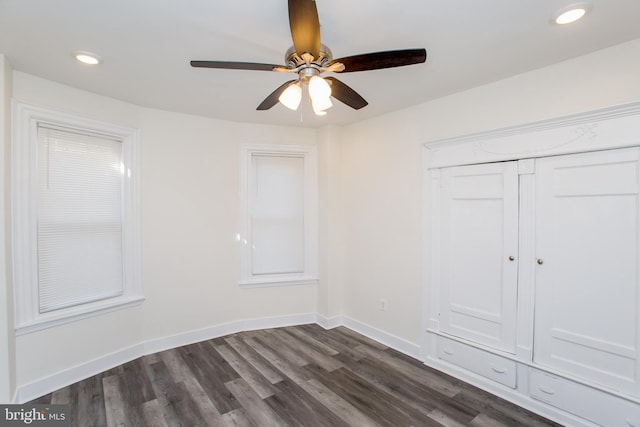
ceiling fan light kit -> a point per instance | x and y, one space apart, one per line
310 60
291 96
320 94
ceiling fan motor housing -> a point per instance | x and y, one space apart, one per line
293 60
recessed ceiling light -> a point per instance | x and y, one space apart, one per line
571 13
87 58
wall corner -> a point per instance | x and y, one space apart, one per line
7 336
331 251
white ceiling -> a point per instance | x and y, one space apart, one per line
146 46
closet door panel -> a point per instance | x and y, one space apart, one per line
586 316
478 235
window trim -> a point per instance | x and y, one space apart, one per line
25 212
310 274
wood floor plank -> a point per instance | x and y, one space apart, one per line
256 409
307 352
223 400
298 408
255 359
174 363
73 400
205 406
299 376
61 396
177 405
258 383
498 409
237 418
207 359
136 387
339 406
186 407
289 370
422 374
164 389
282 347
344 345
339 336
419 396
371 400
114 406
433 373
444 419
311 341
90 408
394 406
152 414
483 420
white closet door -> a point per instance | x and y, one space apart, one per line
479 242
586 316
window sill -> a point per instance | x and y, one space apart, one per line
74 314
266 283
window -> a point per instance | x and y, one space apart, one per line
76 234
278 227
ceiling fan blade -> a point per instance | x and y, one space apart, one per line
305 26
229 65
272 99
380 60
345 94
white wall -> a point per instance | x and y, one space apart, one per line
332 244
7 339
382 162
189 204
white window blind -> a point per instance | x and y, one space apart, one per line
80 220
277 214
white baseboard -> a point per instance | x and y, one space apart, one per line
407 347
186 338
279 322
77 373
397 343
329 322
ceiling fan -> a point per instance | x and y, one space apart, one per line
310 59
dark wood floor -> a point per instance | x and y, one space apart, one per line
294 376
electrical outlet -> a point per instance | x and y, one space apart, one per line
383 304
